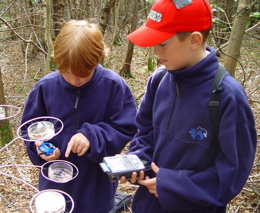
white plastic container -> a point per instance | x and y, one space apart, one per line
50 202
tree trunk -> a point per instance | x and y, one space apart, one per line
115 37
2 96
58 14
237 33
105 15
48 36
151 61
6 134
88 9
37 35
126 69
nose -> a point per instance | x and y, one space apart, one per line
75 80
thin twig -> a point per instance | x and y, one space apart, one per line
19 37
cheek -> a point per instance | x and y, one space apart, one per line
174 56
177 54
67 78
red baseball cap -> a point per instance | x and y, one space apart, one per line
168 17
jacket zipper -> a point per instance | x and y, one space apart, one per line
174 103
76 110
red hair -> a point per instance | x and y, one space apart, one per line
79 48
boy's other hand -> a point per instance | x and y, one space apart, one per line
54 156
150 183
134 178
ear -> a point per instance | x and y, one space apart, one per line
196 40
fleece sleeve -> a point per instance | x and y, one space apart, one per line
109 137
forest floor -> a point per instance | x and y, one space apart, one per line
18 184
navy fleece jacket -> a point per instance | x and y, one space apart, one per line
175 132
104 111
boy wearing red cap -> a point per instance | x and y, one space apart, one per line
190 173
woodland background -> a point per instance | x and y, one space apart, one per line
27 31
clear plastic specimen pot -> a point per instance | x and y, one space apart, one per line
61 172
41 130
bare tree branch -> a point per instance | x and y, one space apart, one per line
22 39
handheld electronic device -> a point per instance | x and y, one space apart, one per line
118 166
46 148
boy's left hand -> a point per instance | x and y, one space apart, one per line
150 183
54 156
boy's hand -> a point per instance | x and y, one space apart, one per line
150 183
54 156
135 177
78 144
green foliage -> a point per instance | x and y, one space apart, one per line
142 21
217 8
6 134
19 89
254 54
53 65
130 75
255 15
150 1
8 18
254 18
224 27
34 1
133 83
151 64
117 42
215 19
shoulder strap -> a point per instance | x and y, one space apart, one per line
162 74
214 103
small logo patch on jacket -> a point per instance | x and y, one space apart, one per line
198 134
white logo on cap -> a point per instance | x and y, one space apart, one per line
155 16
181 3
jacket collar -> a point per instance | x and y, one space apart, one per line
199 73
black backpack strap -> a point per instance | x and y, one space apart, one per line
214 103
161 75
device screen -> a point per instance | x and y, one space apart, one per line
120 164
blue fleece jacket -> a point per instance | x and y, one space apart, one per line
104 111
175 132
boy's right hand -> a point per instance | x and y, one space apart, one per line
78 144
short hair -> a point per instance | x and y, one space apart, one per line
205 34
79 47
